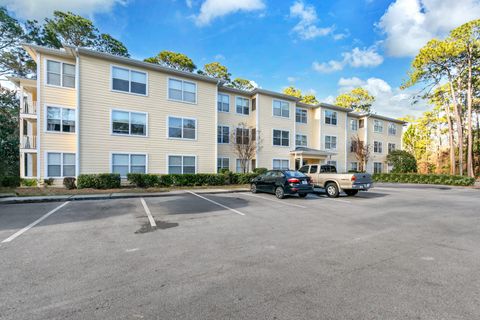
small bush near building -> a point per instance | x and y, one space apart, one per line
402 161
48 182
424 178
142 180
99 181
69 183
9 181
29 182
260 170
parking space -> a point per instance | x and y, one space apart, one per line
393 252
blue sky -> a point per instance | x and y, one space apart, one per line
323 47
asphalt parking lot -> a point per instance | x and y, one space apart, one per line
390 253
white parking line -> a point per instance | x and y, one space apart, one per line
147 211
284 202
218 204
34 223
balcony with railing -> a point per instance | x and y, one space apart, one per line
28 142
28 108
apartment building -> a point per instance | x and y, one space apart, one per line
91 112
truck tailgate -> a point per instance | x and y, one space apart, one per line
362 178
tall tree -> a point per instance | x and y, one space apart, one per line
217 70
246 141
173 60
362 151
297 93
358 99
9 132
242 84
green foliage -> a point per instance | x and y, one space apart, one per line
297 93
142 180
9 181
173 60
309 99
217 70
242 84
358 99
28 182
48 182
260 170
9 133
69 183
99 181
106 43
402 161
67 27
424 178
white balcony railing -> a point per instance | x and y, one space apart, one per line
28 142
29 107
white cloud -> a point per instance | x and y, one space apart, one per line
306 28
357 58
219 57
342 35
409 24
35 9
389 101
212 9
292 79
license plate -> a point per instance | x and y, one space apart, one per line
304 182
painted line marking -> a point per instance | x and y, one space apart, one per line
147 211
336 199
277 201
218 204
34 223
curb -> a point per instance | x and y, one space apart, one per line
107 196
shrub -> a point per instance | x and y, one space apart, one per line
260 170
424 178
141 180
29 182
99 181
69 183
9 181
48 182
402 161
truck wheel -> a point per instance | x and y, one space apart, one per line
253 188
279 193
332 190
302 195
351 193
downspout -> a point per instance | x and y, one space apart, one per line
216 128
346 142
365 165
39 119
77 113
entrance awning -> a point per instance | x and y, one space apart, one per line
304 152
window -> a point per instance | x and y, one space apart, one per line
392 129
281 108
301 115
182 128
223 134
354 124
223 163
377 147
361 123
60 74
353 146
127 80
301 140
242 136
129 123
281 138
332 163
281 164
223 103
377 167
254 104
238 166
330 117
181 90
330 142
60 119
354 166
182 164
60 164
242 106
391 147
124 163
377 126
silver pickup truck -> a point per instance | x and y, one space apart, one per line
326 177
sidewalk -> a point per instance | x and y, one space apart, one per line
116 195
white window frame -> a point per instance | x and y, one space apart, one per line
325 142
129 80
183 118
301 135
273 138
281 160
379 144
332 163
377 128
226 95
354 127
61 74
381 167
182 80
129 160
182 155
390 126
222 160
61 163
394 147
129 123
45 115
281 108
325 117
248 105
306 115
229 133
356 165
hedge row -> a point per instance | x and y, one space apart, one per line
99 181
424 178
142 180
9 181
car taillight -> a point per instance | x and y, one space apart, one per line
353 178
293 180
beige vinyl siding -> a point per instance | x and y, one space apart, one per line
338 131
54 96
97 143
310 129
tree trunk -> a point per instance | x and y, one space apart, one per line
451 140
469 121
458 119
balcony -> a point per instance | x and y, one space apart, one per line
28 143
29 109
